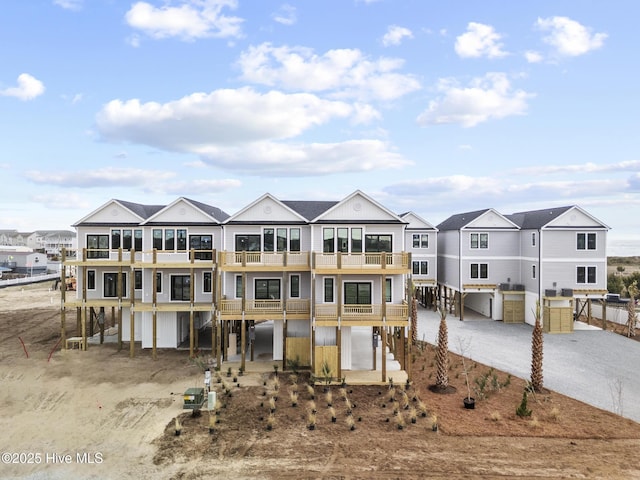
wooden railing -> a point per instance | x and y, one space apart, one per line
264 307
364 313
361 260
264 259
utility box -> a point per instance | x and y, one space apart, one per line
193 398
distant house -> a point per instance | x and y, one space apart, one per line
501 265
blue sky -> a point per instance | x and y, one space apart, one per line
430 106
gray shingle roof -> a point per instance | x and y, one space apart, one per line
215 212
144 211
535 219
456 222
309 209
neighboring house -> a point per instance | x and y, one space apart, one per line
421 241
52 242
23 262
501 265
314 268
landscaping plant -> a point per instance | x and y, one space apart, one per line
536 352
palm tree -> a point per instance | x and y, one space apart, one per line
631 309
536 352
442 353
414 321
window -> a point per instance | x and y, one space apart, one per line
158 282
479 240
157 238
115 238
343 240
533 271
586 241
111 285
420 240
126 239
238 286
281 239
356 240
533 239
206 282
169 239
137 240
420 268
327 240
91 279
201 242
328 290
181 239
97 246
586 275
180 287
479 270
357 293
377 243
294 286
267 236
247 243
387 290
294 240
137 279
267 289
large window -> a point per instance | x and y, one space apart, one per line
420 240
267 235
169 239
586 275
116 236
97 246
267 289
479 270
357 293
420 268
201 242
180 288
479 240
137 240
328 290
111 285
281 239
586 241
157 238
247 243
377 243
356 240
181 239
127 239
343 240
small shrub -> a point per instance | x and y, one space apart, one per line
534 422
495 416
522 410
554 414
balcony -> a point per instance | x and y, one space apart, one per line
264 261
394 263
326 315
148 259
297 309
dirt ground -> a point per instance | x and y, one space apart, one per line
99 414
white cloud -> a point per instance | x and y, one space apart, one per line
569 37
28 88
65 201
195 187
479 41
590 167
101 177
292 160
344 73
69 4
486 98
222 117
286 15
191 20
395 35
533 57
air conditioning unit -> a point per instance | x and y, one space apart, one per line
567 292
519 287
505 287
550 293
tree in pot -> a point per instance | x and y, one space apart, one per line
469 402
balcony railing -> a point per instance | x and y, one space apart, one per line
361 261
264 259
265 307
161 256
361 313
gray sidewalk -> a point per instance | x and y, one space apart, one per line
589 365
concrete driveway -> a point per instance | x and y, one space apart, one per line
597 367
